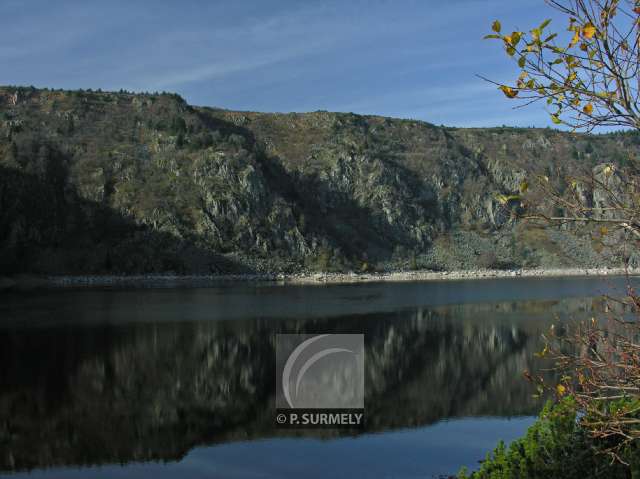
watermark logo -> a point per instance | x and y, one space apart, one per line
320 380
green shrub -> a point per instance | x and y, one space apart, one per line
554 447
326 260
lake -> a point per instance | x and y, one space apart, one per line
181 382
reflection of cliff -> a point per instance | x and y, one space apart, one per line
153 391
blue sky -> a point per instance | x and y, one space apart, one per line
403 58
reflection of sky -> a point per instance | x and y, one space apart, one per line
413 453
405 58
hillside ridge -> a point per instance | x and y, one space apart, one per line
122 183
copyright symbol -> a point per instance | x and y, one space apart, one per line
281 418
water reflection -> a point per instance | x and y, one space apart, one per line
123 391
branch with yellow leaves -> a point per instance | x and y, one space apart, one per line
588 75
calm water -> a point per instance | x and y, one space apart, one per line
181 382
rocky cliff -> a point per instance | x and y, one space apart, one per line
131 183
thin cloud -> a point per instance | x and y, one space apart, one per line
221 69
400 58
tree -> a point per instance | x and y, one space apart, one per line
588 78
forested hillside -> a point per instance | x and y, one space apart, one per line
94 182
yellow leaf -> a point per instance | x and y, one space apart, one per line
505 199
535 34
561 389
496 27
588 31
556 119
588 109
575 39
604 231
508 91
524 186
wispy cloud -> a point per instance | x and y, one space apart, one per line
401 58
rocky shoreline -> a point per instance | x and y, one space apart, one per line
169 280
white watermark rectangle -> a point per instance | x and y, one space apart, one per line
320 380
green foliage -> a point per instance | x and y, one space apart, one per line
555 446
180 140
327 261
178 125
321 261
